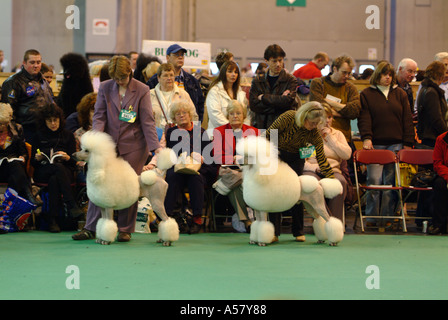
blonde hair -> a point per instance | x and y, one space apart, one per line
119 67
233 105
182 105
310 111
6 113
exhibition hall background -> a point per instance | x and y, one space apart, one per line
408 28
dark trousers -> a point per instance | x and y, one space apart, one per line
440 213
14 174
59 179
296 212
177 182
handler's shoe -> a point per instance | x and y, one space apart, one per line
124 237
84 234
300 238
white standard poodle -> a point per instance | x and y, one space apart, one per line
270 185
112 184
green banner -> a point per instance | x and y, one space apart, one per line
291 3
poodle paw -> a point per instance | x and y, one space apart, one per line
261 244
321 242
103 242
333 244
252 242
167 243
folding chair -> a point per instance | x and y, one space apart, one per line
381 157
419 157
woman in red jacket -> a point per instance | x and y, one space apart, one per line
440 190
224 141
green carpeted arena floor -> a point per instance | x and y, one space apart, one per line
223 266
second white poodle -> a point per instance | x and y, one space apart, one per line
270 185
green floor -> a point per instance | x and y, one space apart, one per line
221 266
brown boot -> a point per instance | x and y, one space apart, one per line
124 237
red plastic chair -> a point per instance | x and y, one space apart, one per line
419 157
382 157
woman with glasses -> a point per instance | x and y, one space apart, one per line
52 147
188 137
385 122
123 110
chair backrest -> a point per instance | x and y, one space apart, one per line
375 157
416 156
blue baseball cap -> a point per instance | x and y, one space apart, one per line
174 48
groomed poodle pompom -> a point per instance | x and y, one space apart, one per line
334 229
319 229
309 183
332 187
149 177
166 159
168 231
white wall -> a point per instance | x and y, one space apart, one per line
245 27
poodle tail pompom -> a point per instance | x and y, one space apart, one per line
166 159
319 229
308 183
169 230
149 177
335 230
332 187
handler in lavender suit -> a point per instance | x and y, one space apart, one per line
123 110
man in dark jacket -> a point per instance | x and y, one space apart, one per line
26 91
175 55
273 93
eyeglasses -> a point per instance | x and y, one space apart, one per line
180 113
414 72
121 79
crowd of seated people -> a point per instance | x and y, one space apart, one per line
182 114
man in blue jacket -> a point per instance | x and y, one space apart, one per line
175 55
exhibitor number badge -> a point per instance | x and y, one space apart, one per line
128 116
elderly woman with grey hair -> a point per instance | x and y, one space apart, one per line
225 138
298 138
188 136
14 155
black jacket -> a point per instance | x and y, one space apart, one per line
61 140
273 103
25 94
432 111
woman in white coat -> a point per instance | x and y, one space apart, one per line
222 91
165 94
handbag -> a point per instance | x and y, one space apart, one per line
423 179
187 165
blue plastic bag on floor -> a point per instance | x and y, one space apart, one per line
15 212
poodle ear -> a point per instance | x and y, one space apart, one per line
332 187
166 159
